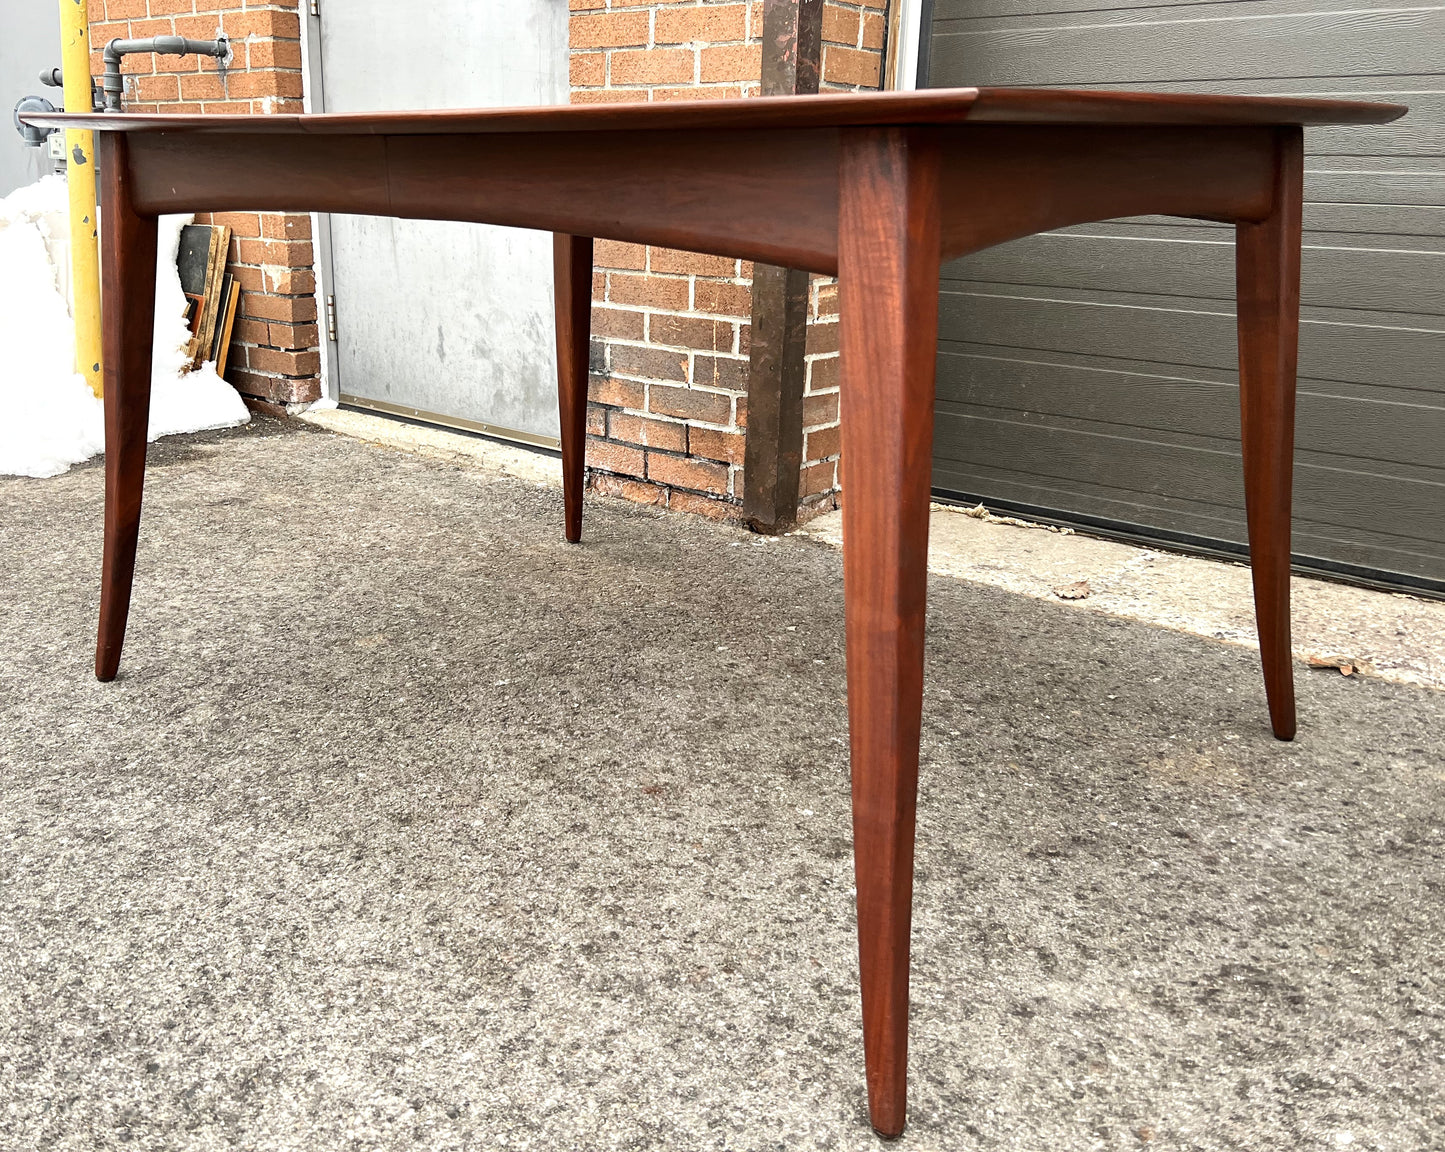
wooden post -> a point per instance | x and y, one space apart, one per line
773 456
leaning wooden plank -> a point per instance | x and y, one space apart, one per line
215 278
227 281
222 351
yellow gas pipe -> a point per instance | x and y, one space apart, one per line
80 175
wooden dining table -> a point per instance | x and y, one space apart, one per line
878 189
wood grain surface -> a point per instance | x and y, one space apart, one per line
931 106
1267 264
888 303
572 273
128 286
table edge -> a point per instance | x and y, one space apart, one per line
936 106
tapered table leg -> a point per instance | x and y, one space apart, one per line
1267 270
128 285
572 267
888 264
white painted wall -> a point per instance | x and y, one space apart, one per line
29 41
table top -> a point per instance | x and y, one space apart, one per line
933 106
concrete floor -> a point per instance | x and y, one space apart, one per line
1391 635
409 826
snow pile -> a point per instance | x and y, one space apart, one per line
49 419
183 401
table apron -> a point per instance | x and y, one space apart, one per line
759 194
1001 182
762 195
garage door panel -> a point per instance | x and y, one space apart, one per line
1367 548
1396 356
1062 455
1093 372
1421 133
1375 180
1362 547
1328 43
1215 440
949 14
1419 222
1116 503
1156 402
1168 228
1393 281
960 17
1207 480
957 15
1169 403
1347 389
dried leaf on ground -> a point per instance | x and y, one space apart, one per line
1078 590
1346 667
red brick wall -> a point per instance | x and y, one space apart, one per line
853 45
670 350
275 354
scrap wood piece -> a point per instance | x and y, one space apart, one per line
215 281
201 264
193 254
979 512
1345 665
225 324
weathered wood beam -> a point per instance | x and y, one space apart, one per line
773 456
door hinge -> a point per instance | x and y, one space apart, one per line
316 8
331 318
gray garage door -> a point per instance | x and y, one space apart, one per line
1089 374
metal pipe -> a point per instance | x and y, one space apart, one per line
55 78
111 81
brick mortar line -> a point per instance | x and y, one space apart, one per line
671 453
662 417
686 349
681 385
663 485
688 454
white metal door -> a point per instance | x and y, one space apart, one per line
446 321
